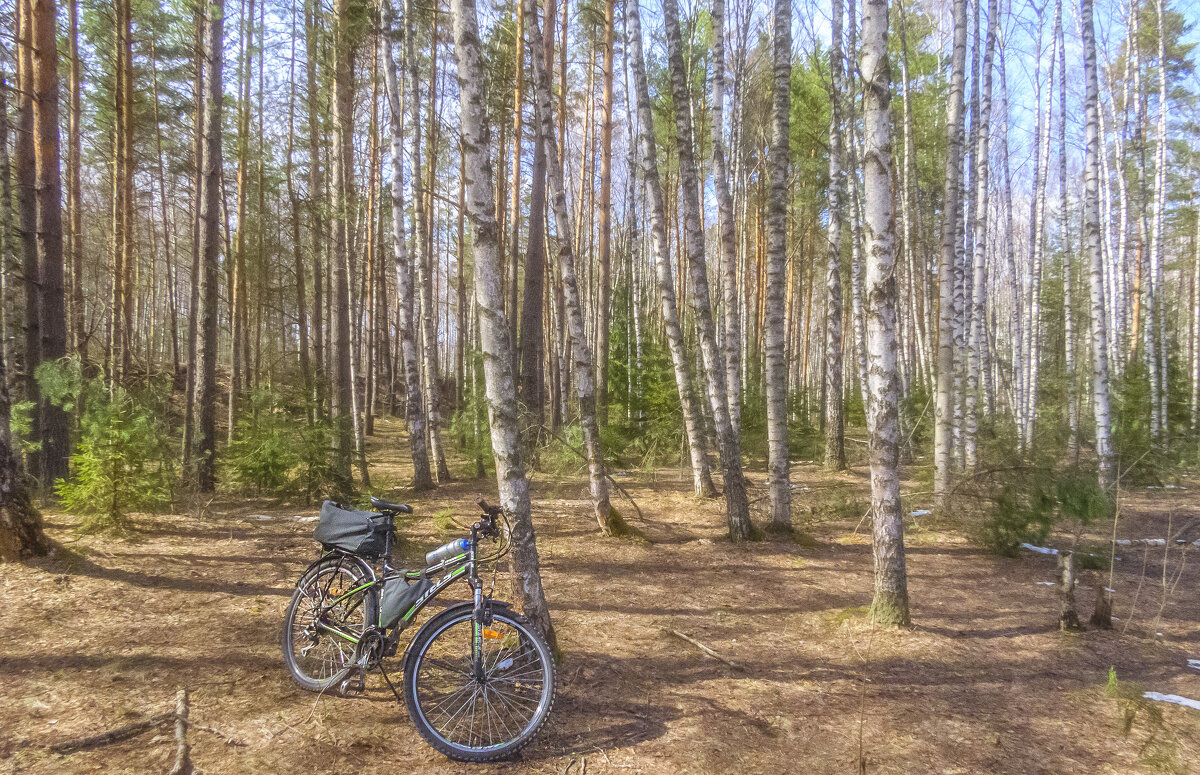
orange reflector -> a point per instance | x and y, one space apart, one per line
491 634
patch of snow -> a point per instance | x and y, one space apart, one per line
1116 618
1045 584
919 513
1173 698
1159 634
260 517
1153 487
305 519
1194 664
1039 549
1174 487
1110 589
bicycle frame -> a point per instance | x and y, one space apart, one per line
454 568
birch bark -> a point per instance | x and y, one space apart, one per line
497 348
737 505
660 246
835 440
585 389
890 605
775 325
944 405
413 403
1100 392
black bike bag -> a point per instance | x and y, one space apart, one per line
398 596
361 532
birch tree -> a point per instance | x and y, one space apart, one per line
500 388
424 259
890 605
732 327
1091 227
702 483
585 389
413 403
945 398
737 504
775 333
835 440
978 342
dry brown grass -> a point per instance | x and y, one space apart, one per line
984 683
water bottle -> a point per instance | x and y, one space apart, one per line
454 548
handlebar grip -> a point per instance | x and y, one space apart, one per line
447 551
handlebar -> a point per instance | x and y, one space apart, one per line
491 511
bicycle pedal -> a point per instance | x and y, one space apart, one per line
354 685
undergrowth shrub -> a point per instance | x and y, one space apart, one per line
124 462
278 450
1025 504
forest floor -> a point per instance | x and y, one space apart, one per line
105 631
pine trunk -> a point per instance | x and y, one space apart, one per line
204 457
341 344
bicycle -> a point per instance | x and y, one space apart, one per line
478 678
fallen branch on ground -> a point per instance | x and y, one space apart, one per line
179 717
702 647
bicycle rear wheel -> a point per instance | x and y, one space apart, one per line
324 623
478 719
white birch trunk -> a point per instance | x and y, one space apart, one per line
500 387
737 504
732 328
660 247
585 389
944 419
978 331
1157 319
835 441
1100 397
890 605
424 265
775 333
413 403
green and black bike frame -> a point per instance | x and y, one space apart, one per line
461 566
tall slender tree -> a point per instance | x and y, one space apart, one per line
55 432
585 389
647 160
1091 228
737 505
489 295
944 396
204 457
890 605
835 441
414 409
775 326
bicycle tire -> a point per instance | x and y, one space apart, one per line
310 595
418 652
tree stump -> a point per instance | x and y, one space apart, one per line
1069 618
1102 616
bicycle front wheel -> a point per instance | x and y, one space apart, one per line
485 716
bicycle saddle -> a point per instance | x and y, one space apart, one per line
382 505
